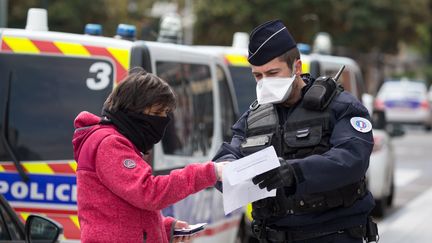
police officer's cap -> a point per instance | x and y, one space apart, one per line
268 41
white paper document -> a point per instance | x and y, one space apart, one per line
238 188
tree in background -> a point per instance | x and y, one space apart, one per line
366 30
375 27
72 16
359 24
68 16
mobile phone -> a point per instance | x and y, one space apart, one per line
191 230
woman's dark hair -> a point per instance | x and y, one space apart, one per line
138 91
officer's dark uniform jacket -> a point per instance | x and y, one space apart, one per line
326 153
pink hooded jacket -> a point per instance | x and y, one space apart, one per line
119 200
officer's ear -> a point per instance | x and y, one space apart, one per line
298 67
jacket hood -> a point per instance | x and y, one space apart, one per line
85 124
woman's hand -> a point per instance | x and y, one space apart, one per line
219 169
180 225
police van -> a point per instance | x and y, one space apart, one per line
47 78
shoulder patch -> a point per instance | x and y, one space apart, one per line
129 163
361 124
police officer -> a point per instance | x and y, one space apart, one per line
323 138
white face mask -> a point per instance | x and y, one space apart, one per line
274 90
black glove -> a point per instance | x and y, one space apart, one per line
262 209
282 176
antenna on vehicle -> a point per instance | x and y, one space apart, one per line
4 132
338 74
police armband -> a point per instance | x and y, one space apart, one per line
320 94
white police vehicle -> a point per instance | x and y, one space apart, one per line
47 78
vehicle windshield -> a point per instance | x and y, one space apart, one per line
46 94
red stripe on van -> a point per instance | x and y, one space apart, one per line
62 168
219 228
45 210
5 46
99 51
46 47
11 167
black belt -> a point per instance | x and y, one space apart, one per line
345 196
282 204
292 236
275 235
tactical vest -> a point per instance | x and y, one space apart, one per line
304 133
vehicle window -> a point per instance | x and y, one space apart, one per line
46 94
244 85
228 115
8 228
191 130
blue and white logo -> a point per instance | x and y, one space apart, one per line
47 189
130 164
361 124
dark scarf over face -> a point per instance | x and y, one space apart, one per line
142 130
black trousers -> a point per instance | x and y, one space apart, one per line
342 237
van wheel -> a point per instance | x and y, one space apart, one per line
428 128
380 206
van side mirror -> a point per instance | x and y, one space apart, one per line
39 229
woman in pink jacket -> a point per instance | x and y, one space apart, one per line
119 200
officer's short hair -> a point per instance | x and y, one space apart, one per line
138 91
290 57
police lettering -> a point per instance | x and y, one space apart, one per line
39 192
